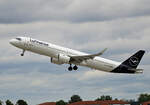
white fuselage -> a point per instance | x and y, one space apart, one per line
53 51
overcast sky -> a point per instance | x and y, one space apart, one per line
122 26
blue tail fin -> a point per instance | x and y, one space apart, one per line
134 60
130 63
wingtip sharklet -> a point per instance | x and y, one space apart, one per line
102 52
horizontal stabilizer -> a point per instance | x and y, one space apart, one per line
138 71
135 69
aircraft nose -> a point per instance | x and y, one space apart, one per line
12 41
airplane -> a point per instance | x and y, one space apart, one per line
61 55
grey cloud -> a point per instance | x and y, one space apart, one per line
37 79
23 11
41 86
119 36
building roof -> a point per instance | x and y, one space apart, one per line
90 103
99 102
87 103
146 102
115 102
48 103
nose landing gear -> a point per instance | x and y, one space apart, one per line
22 54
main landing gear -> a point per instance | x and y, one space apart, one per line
22 54
70 68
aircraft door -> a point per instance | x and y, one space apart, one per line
27 43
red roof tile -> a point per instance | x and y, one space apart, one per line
98 102
145 103
90 103
48 103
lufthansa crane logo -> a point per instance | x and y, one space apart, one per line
134 61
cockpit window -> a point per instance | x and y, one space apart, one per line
18 39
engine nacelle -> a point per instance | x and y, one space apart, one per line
61 59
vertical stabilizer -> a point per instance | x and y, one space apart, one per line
130 65
134 60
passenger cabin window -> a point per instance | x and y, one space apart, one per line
18 39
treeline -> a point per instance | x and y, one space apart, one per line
8 102
76 98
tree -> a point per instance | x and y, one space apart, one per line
61 102
103 98
144 97
108 97
8 102
75 98
130 101
21 102
1 102
116 99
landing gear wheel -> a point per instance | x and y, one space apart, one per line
70 68
75 67
22 54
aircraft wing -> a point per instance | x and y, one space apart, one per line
79 59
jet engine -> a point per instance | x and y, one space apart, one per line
61 59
